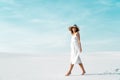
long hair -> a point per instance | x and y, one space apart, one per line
74 26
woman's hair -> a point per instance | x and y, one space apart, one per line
74 26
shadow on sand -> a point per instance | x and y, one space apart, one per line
98 74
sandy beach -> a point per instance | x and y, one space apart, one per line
99 66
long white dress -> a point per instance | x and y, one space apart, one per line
75 51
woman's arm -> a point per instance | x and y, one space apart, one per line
79 42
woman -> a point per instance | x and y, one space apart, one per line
76 49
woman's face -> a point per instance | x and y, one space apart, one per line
74 29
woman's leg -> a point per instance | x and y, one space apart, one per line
82 67
70 69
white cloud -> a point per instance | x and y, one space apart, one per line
48 23
12 2
11 10
43 21
109 3
106 2
6 8
21 40
101 10
36 21
99 42
118 4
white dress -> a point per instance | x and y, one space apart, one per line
75 51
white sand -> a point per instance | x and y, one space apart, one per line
99 66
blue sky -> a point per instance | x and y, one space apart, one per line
41 26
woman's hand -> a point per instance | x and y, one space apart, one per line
80 49
79 43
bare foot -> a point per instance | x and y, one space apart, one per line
83 73
68 74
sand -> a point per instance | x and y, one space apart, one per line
99 66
